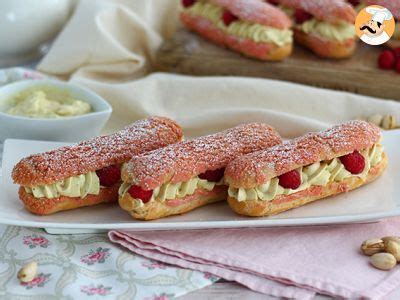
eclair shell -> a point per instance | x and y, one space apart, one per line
257 168
257 208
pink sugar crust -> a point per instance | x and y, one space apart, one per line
392 5
256 11
139 137
325 47
208 30
328 10
184 160
257 168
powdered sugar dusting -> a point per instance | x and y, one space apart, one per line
141 136
256 11
328 10
182 161
257 168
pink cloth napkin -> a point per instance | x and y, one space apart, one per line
284 262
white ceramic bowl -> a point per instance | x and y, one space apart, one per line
26 24
68 129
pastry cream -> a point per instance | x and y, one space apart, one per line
316 174
339 32
46 103
169 191
76 186
244 29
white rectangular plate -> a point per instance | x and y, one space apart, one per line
377 200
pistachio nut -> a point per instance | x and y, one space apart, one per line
28 272
371 246
383 261
375 119
393 248
386 239
388 122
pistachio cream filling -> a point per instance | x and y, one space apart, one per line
178 190
316 174
339 32
76 186
244 29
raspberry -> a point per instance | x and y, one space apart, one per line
386 60
214 175
398 66
273 2
138 193
290 180
354 2
109 175
228 17
188 3
396 52
353 162
301 16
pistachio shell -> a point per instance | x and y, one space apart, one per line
28 272
386 239
393 248
388 122
371 246
375 119
383 261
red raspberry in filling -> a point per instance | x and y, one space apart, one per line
214 175
188 3
228 17
138 193
396 52
354 2
290 180
398 66
109 175
302 16
386 60
273 2
353 162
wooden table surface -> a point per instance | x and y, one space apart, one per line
190 54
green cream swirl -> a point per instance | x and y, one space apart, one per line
169 191
338 32
244 29
76 186
316 174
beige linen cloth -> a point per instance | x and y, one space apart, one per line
110 45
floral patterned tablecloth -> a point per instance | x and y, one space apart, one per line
83 266
86 267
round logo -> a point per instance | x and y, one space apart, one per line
375 25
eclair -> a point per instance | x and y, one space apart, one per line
394 7
188 174
251 27
326 27
88 173
308 168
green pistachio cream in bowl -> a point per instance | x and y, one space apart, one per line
51 110
46 103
